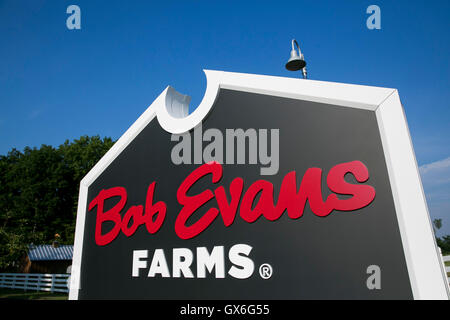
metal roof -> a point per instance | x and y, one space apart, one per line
48 252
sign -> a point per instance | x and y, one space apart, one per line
273 188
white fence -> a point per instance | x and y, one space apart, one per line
35 281
447 268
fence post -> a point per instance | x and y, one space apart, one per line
39 283
53 283
25 285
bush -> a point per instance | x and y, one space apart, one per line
444 244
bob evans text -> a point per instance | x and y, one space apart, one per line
233 201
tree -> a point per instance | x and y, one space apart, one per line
80 156
39 193
12 249
437 223
444 242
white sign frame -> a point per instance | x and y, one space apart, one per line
427 274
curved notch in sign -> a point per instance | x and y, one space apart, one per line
177 104
173 115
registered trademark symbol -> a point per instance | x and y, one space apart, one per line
265 271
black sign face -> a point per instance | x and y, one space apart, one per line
302 209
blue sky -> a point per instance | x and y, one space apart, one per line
58 84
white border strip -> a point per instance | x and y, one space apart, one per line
427 277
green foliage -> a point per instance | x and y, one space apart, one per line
39 193
444 244
12 249
437 223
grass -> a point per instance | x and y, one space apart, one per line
15 294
